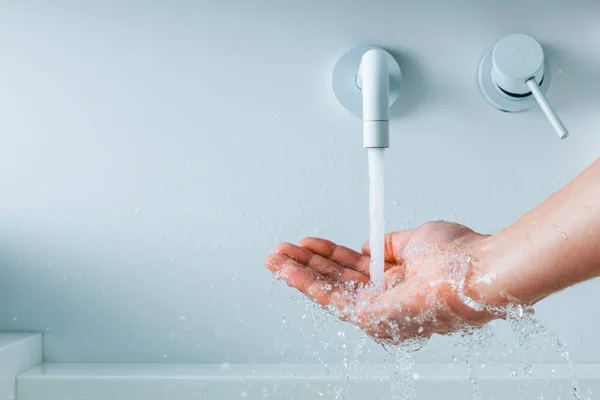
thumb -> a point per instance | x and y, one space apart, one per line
393 243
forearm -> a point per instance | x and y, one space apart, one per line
554 246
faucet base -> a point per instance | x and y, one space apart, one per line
344 79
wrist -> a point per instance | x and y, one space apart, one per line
506 270
492 275
482 297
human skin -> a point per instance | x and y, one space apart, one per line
442 277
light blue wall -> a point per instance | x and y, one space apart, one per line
153 153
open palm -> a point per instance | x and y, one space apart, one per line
428 281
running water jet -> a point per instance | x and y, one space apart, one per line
376 216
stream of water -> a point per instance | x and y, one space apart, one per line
376 214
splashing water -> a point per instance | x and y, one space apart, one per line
402 376
528 329
376 214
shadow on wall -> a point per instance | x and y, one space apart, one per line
77 300
59 305
414 89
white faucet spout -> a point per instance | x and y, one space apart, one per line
374 80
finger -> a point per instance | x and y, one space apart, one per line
274 263
320 264
393 244
308 281
293 251
339 254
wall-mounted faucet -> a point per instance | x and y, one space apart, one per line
366 81
514 75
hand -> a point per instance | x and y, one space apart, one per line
430 285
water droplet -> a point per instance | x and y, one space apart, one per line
563 236
588 208
15 318
559 72
136 211
415 376
165 355
183 318
519 311
420 329
225 366
395 203
327 287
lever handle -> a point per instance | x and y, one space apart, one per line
554 119
514 75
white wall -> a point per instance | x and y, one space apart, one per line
153 153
